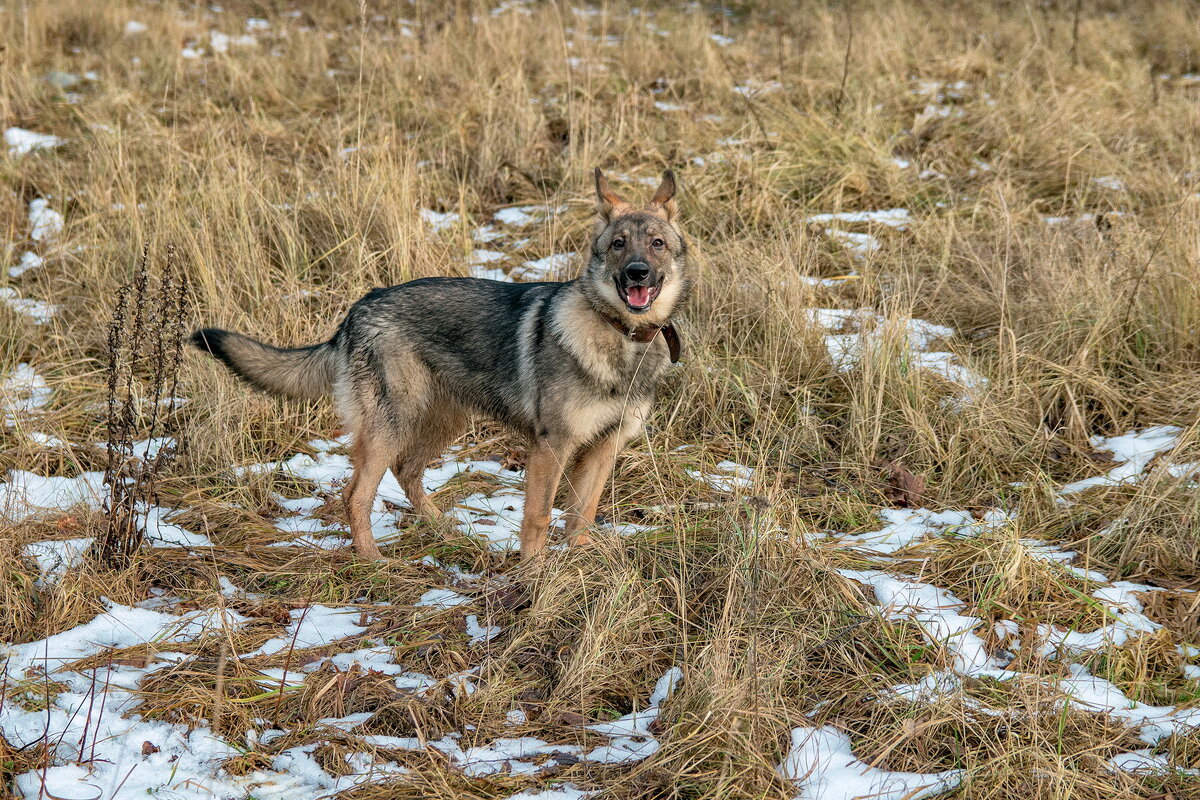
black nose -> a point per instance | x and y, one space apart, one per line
637 271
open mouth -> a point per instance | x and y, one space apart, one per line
638 298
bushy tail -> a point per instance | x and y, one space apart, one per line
304 372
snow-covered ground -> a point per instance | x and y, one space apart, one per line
98 713
851 334
99 742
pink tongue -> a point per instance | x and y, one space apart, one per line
638 295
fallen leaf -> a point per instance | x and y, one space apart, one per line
514 460
904 489
573 718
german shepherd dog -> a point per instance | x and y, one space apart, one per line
572 366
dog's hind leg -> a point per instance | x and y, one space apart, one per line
585 484
543 470
370 457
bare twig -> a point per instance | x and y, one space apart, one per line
1141 275
837 104
1075 33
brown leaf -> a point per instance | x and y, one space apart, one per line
572 718
904 489
141 662
509 598
514 460
533 694
149 748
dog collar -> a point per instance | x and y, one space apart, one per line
647 334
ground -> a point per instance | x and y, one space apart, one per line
917 515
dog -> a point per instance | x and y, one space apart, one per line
572 366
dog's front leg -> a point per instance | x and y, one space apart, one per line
543 470
585 484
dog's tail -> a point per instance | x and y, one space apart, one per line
304 372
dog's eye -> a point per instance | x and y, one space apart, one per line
618 244
658 244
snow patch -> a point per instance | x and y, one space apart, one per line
45 223
823 766
21 141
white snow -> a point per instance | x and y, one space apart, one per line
898 218
860 245
753 88
314 626
47 440
221 42
162 533
480 634
821 762
1088 692
1132 451
480 257
440 599
1128 622
1144 762
118 627
134 27
729 476
26 494
495 518
936 612
566 791
522 216
490 274
45 223
1110 182
29 260
544 269
23 392
487 233
21 141
851 332
906 526
823 767
135 757
440 221
55 557
37 310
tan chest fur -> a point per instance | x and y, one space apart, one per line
609 359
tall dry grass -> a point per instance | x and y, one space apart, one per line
289 176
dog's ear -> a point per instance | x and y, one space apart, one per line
664 198
609 204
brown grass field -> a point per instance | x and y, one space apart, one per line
289 171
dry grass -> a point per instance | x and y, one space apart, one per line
288 177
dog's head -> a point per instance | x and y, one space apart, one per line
638 268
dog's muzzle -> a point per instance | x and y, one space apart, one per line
637 286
